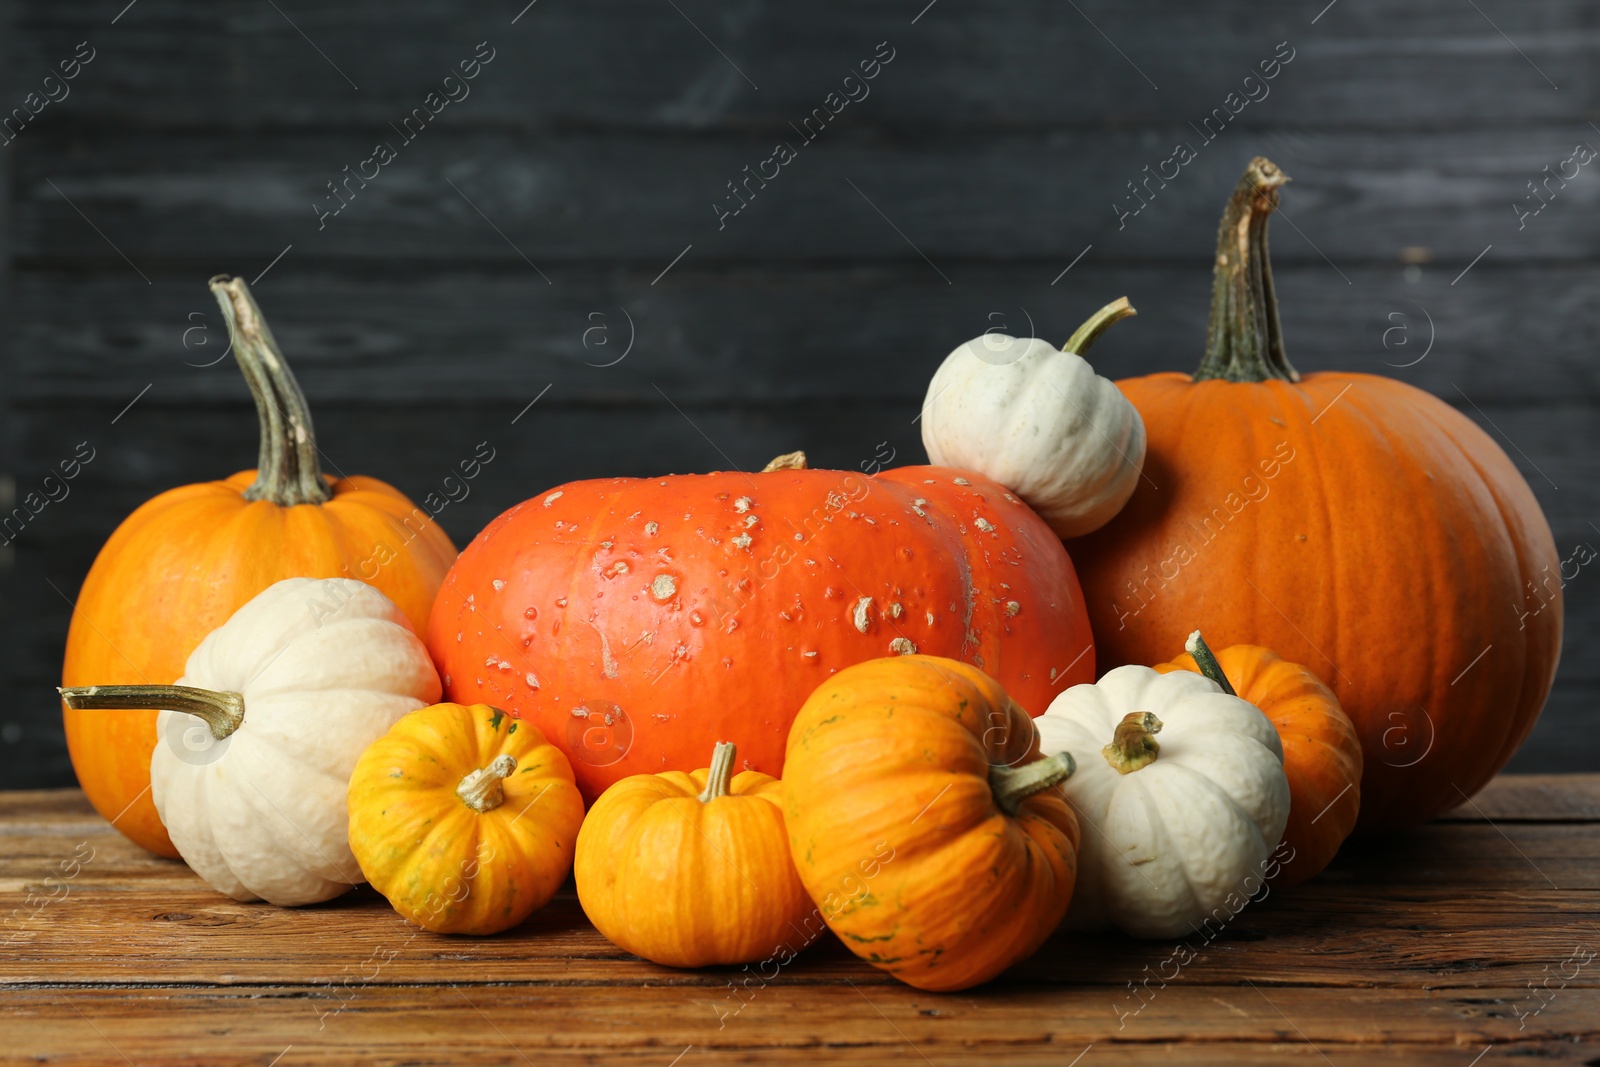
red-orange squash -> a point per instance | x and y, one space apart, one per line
638 621
1321 752
182 563
1349 522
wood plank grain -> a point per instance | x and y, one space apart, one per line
639 64
779 334
209 200
80 905
1398 953
134 933
1513 798
442 1023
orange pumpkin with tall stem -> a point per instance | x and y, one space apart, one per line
181 564
1348 522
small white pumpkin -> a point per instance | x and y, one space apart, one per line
1175 831
1041 422
293 688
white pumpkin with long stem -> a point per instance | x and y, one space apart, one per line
291 690
1175 831
1040 421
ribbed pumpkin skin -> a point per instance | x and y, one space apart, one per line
1395 546
689 884
178 567
641 597
441 864
1321 752
891 758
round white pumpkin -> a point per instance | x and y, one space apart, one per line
1040 421
324 667
1180 817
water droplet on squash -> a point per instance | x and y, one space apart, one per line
530 613
696 619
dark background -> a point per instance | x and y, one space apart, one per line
986 159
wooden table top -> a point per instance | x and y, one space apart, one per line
1475 936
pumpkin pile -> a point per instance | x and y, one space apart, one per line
742 709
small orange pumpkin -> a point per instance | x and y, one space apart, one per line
924 822
1321 750
464 818
186 560
691 869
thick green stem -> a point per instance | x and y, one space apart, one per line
1244 341
1196 646
721 772
484 789
287 471
1134 744
1097 324
1012 785
222 712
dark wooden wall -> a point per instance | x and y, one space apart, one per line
532 220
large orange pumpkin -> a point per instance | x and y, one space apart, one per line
182 563
640 621
1349 522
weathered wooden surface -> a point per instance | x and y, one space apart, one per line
1416 949
594 145
460 336
569 197
1017 63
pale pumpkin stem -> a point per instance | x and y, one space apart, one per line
222 711
1097 324
1134 744
1196 646
789 461
287 471
721 772
1244 341
1012 785
484 789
